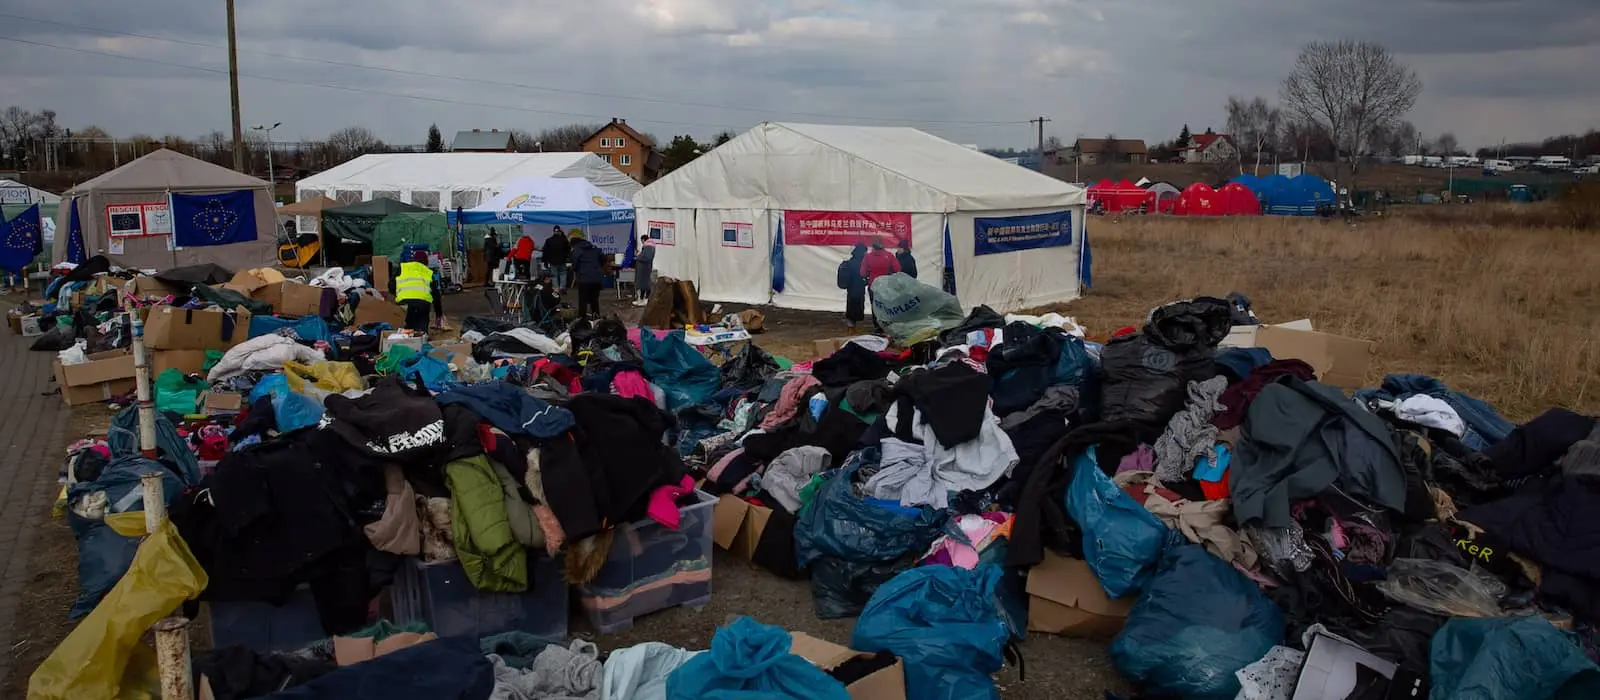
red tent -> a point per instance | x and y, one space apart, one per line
1237 200
1199 200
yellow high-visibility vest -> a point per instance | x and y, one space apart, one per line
415 282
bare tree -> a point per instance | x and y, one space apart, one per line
352 142
524 141
1351 89
566 138
1254 125
1111 153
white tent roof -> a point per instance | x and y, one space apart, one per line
455 171
12 192
852 168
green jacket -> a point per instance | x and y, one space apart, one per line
492 557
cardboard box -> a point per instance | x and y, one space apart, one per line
14 320
456 352
224 402
292 298
736 525
1338 360
390 340
1065 598
884 684
173 328
105 375
147 286
185 361
375 310
29 325
380 273
246 282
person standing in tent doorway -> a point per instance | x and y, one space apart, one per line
492 253
854 286
417 289
588 271
908 262
522 256
557 254
879 262
644 267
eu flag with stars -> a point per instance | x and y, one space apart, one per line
213 219
21 239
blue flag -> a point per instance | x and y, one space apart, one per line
21 239
75 254
213 219
779 275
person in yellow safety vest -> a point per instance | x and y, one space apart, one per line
417 289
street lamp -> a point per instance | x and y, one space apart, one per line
272 174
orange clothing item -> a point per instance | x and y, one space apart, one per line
523 249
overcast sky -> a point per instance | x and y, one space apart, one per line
973 71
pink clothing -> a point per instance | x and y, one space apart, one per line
631 384
663 507
789 401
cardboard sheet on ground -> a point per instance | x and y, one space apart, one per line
1338 360
102 659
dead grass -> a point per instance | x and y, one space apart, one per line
1506 314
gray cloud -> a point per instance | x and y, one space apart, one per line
969 70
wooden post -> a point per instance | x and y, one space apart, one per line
172 656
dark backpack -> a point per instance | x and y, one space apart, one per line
846 274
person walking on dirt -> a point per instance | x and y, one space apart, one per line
854 285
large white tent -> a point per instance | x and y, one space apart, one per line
446 181
788 200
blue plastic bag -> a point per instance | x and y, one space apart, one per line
751 660
1513 658
292 411
434 372
943 623
685 375
1198 622
1121 540
104 555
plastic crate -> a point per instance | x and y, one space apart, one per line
442 596
652 567
267 627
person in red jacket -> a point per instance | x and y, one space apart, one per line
522 254
878 263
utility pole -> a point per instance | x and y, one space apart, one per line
1040 120
233 92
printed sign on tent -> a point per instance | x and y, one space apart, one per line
16 195
135 220
157 219
845 229
663 232
738 234
1010 234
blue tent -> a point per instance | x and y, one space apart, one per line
1301 195
538 204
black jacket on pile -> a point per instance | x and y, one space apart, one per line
1555 522
603 476
953 400
1024 365
274 516
392 421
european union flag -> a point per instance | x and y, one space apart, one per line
214 219
75 254
21 239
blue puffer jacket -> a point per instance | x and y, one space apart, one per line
1485 426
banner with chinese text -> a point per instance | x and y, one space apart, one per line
1010 234
845 229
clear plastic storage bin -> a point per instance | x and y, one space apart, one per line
441 596
267 627
652 567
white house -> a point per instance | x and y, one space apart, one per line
1210 148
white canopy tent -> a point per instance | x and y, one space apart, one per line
446 181
788 201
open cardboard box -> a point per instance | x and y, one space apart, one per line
885 684
373 309
173 328
736 525
105 375
1338 360
185 361
1065 598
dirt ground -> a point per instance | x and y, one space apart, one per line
1503 314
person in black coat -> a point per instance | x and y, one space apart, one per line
908 263
855 286
556 256
588 271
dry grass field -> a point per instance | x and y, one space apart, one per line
1509 314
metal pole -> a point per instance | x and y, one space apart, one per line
155 501
141 375
172 656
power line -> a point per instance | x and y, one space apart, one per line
344 88
525 86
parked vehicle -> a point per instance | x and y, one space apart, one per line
1499 166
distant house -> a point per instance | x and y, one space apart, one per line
1098 151
1210 148
480 141
627 150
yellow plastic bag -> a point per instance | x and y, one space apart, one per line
332 377
102 658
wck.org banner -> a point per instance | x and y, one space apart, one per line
1010 234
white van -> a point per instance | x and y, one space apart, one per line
1499 166
1562 162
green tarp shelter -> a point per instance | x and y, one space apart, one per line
359 222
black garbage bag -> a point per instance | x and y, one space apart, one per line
750 369
486 326
1145 376
204 273
57 339
841 588
229 299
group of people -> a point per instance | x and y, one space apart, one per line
863 267
570 260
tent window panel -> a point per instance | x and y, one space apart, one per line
348 196
386 194
426 199
307 195
464 199
305 224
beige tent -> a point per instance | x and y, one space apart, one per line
137 194
312 207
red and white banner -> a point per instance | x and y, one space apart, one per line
136 220
846 228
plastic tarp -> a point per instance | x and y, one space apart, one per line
102 658
752 661
359 222
1199 621
685 375
911 311
1515 658
942 621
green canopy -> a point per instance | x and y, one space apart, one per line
359 222
397 230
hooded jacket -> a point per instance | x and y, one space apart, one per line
489 552
588 262
390 422
509 408
557 250
603 476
